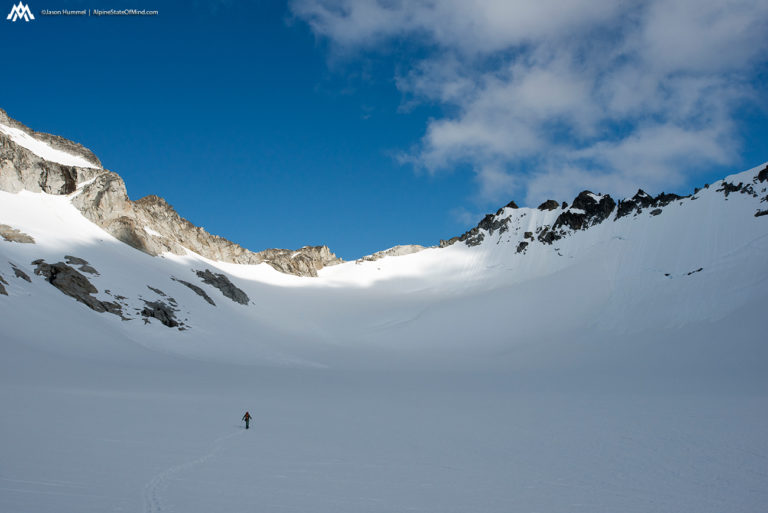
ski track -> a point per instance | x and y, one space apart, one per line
155 487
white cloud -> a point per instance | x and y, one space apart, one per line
654 157
469 27
546 97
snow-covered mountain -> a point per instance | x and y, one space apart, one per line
43 163
71 233
103 300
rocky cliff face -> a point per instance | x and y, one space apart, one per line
21 169
149 224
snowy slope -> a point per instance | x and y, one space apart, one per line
622 276
620 368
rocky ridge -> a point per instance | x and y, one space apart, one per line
149 224
400 250
153 226
488 225
590 209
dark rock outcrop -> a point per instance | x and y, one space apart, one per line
762 176
593 211
73 260
548 236
549 205
3 283
586 210
569 219
88 269
473 237
728 188
637 203
20 274
197 290
160 311
64 277
642 200
596 211
490 224
157 291
521 246
226 287
511 204
761 213
82 264
664 199
69 281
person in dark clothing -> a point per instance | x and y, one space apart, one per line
246 418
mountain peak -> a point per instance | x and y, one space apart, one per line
40 162
589 209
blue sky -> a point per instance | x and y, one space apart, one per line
362 125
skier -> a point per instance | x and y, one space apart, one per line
246 418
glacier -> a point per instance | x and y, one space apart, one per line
622 367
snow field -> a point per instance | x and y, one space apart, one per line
594 375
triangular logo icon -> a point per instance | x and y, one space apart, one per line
20 11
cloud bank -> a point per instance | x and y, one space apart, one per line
545 97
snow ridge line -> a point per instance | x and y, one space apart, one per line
153 489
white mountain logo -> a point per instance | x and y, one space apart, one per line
20 11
